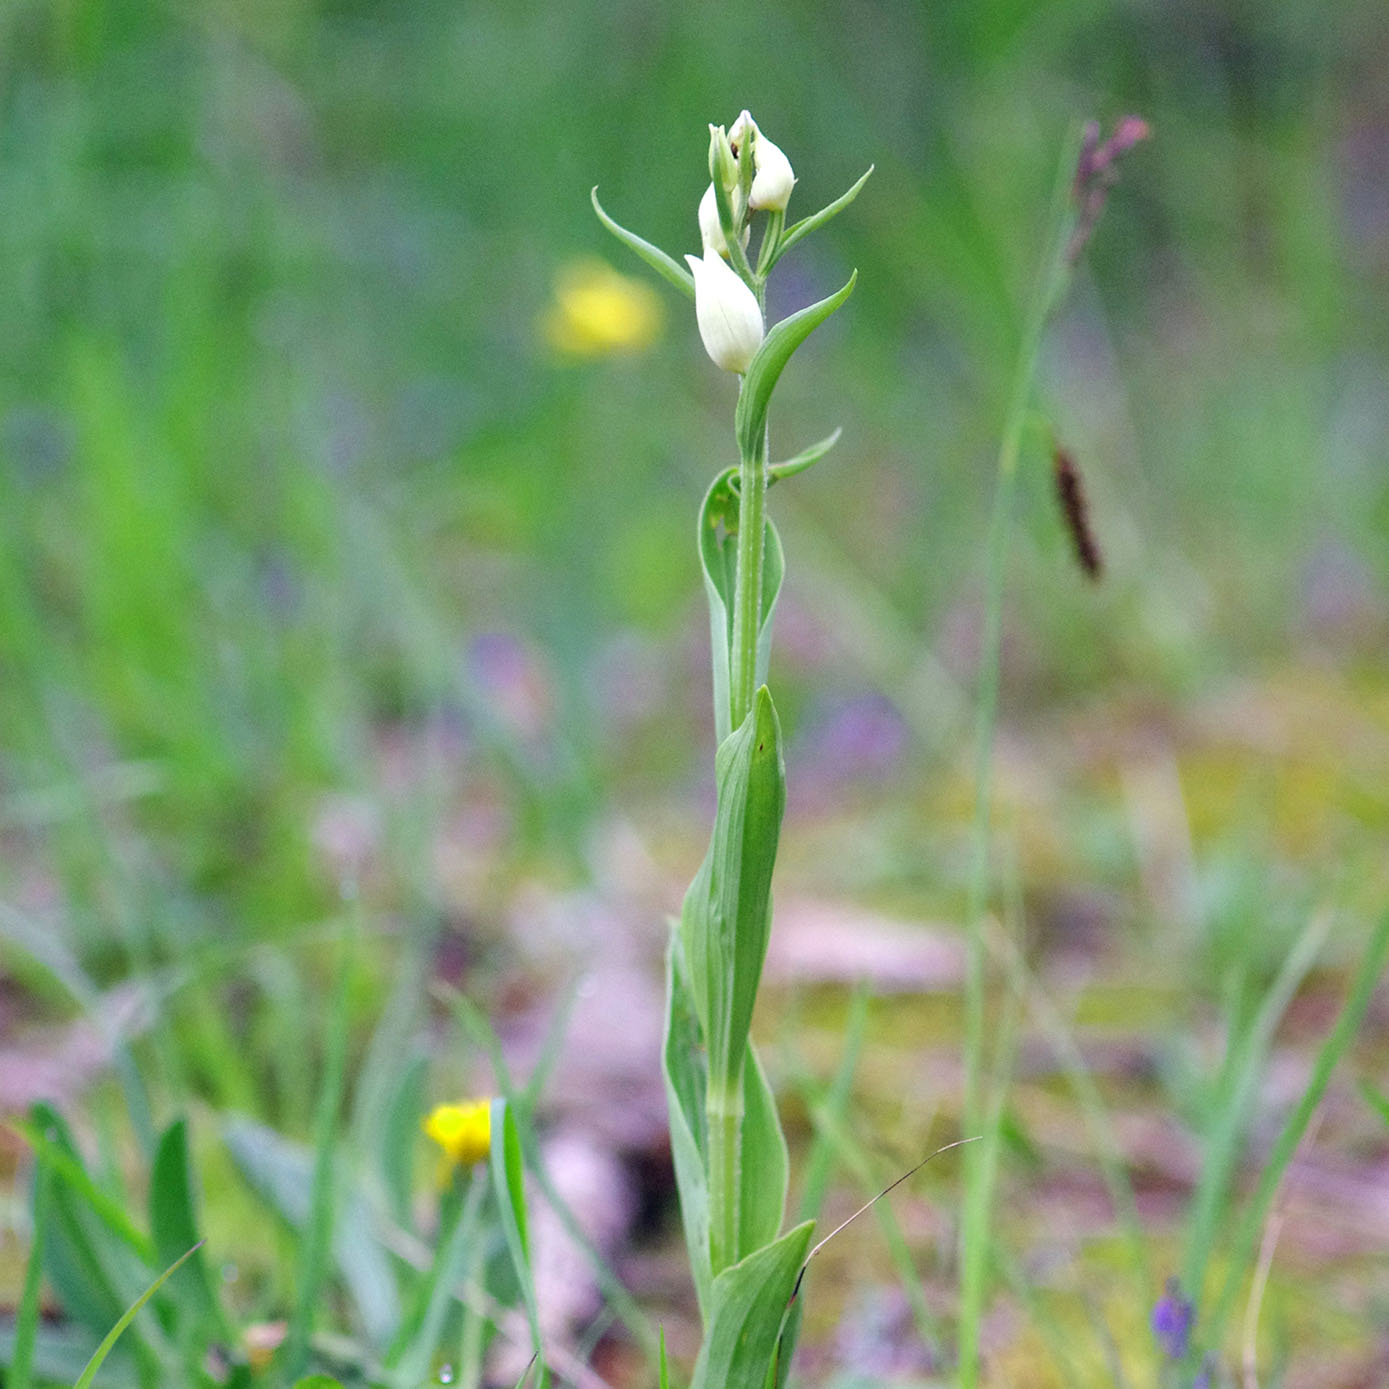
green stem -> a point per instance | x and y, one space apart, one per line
978 1169
724 1103
725 1113
747 587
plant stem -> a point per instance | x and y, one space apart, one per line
724 1108
724 1103
747 588
978 1167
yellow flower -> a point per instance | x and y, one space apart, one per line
596 311
463 1131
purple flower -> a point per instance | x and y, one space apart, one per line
1172 1320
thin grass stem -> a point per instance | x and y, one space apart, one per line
1051 281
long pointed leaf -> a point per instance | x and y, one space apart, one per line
128 1316
749 1306
765 1164
26 1320
818 219
316 1247
766 367
725 921
508 1180
85 1251
685 1079
173 1222
67 1168
656 258
799 462
1363 984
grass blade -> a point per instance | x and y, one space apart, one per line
318 1233
1347 1025
115 1333
26 1320
415 1342
69 1169
509 1182
1244 1069
474 1022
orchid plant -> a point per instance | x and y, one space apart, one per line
730 1154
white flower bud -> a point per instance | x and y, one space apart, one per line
710 228
773 181
730 321
723 163
742 127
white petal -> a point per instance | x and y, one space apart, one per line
710 229
730 321
774 180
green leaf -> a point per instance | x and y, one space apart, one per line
748 1310
318 1382
85 1239
765 1165
656 258
1362 988
786 1343
686 1082
1239 1086
718 557
803 460
508 1180
662 1367
282 1173
174 1225
417 1339
48 1135
765 369
128 1316
726 918
26 1318
398 1142
315 1249
818 219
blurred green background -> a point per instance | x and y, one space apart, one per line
314 552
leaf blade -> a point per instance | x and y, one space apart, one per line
806 225
128 1316
664 265
748 1311
766 367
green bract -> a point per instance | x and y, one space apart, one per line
766 367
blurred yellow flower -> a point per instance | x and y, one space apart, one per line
463 1131
596 311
